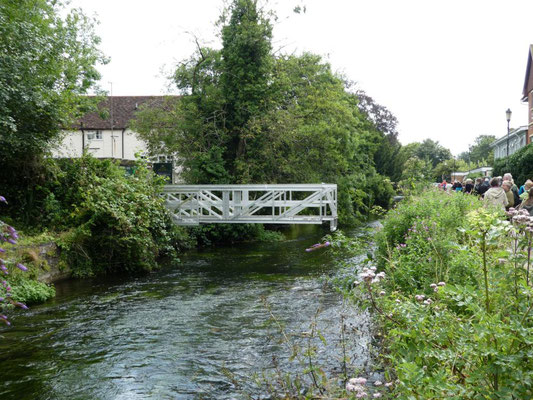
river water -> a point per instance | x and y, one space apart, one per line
199 329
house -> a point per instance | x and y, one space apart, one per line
527 94
480 171
517 139
106 133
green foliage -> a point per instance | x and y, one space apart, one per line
389 159
449 209
103 220
30 291
454 299
48 60
120 223
520 164
480 153
245 72
444 169
416 174
250 116
430 151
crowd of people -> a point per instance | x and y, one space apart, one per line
499 191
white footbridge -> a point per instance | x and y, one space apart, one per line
252 204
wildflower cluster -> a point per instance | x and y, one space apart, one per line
369 276
358 386
521 219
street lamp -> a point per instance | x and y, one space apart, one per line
508 116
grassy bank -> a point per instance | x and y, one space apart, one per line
39 255
452 297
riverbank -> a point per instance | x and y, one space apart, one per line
47 255
452 296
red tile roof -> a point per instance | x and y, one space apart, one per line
124 109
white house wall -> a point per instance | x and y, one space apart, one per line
70 146
132 145
515 144
109 146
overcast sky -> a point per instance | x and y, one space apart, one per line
447 70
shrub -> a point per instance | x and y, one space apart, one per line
435 213
520 164
30 291
120 223
458 325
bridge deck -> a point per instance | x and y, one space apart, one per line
264 204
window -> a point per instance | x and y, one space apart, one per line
94 135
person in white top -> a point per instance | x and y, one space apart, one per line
495 196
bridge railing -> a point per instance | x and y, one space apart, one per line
265 204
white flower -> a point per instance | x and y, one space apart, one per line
373 268
350 387
420 297
378 383
433 285
376 395
441 283
360 395
356 283
382 293
398 301
368 276
357 381
388 384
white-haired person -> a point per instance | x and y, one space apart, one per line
508 177
506 186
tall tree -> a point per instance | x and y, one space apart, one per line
432 151
384 121
246 70
481 152
388 159
46 62
248 116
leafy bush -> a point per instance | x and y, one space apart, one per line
15 290
454 299
121 223
520 164
30 291
436 212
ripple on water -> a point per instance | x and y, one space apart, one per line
175 333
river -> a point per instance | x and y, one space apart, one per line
199 329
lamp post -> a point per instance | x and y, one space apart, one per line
508 116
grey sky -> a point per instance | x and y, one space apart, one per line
448 69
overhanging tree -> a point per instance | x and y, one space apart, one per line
46 63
